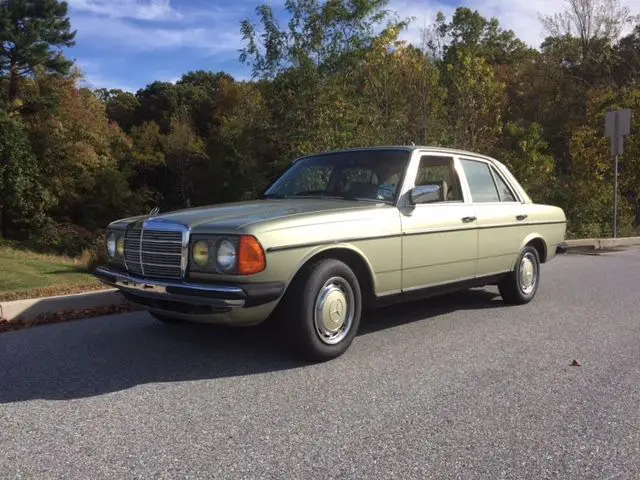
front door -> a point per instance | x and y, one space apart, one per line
440 236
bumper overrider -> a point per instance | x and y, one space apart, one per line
248 303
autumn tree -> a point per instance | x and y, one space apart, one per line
157 103
183 150
22 199
402 94
121 107
208 96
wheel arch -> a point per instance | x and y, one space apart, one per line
351 256
536 241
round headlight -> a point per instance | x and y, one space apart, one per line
226 258
111 245
120 245
201 253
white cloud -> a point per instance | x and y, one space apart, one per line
116 33
134 9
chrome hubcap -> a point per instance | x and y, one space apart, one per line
334 310
528 273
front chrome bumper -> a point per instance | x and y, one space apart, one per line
193 300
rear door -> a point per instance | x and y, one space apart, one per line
501 216
440 240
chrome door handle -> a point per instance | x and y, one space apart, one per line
522 217
469 219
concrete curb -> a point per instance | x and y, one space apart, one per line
598 243
25 310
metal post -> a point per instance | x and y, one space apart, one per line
615 197
617 125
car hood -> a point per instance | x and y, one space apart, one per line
235 216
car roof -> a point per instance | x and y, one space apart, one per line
410 148
433 149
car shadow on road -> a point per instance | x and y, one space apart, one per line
404 313
94 357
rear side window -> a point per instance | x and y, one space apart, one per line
506 195
481 183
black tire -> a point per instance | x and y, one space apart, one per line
511 289
297 316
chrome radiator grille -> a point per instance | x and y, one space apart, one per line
153 253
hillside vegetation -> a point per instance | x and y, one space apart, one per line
337 75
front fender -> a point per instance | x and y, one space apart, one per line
325 249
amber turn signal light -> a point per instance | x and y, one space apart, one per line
251 257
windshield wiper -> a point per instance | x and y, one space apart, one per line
310 193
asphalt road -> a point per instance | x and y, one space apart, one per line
456 387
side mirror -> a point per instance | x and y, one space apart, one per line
426 194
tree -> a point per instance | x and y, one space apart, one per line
157 103
589 21
183 148
121 107
72 140
592 176
22 200
402 94
523 149
146 160
330 36
31 34
245 151
475 103
470 31
206 96
627 59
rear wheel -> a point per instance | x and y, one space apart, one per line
322 310
520 285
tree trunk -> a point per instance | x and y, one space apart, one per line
5 223
4 208
13 81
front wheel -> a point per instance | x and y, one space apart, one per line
520 285
322 310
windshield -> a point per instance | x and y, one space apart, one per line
357 175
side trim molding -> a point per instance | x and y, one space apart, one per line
425 232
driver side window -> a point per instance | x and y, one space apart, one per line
440 172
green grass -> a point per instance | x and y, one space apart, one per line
27 274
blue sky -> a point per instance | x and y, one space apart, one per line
129 43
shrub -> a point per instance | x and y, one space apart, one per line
95 254
64 239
